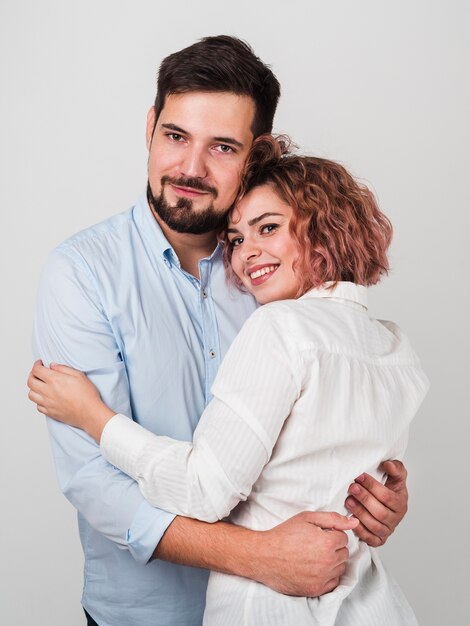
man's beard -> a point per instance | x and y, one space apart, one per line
181 217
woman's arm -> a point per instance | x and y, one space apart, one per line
254 392
67 395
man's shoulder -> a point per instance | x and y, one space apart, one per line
99 250
109 233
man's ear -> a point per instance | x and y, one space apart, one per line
150 126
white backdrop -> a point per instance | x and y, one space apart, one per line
380 86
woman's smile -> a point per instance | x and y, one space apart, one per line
263 249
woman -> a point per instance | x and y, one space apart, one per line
311 391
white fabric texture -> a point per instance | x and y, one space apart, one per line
311 393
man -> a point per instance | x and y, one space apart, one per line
140 303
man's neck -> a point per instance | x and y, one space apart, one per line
190 248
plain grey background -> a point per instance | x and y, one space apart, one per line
380 86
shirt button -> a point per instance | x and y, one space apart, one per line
204 293
212 354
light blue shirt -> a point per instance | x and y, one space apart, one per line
114 302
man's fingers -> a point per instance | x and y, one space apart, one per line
396 472
329 521
331 585
372 540
383 494
374 525
336 540
382 509
342 556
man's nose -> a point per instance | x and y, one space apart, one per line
193 164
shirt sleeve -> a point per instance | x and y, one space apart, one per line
71 327
253 394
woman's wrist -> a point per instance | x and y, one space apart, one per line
98 420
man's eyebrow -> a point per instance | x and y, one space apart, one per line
175 128
255 220
229 140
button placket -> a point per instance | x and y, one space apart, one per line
210 329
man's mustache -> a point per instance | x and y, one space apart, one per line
191 183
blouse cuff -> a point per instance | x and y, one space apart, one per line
122 443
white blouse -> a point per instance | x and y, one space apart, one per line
311 393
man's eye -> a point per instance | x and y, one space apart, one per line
175 136
224 148
268 228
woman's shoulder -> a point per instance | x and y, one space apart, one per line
274 314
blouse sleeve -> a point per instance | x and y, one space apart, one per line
253 394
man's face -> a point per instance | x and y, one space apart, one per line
196 155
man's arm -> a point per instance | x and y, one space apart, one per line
301 557
71 326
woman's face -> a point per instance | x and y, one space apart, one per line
263 249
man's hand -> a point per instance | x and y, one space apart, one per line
304 556
379 508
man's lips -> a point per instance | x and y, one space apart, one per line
259 274
188 192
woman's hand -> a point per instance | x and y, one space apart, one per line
68 396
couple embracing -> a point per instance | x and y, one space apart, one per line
227 400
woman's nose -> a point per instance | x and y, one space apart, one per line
250 251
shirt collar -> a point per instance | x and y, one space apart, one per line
153 234
341 291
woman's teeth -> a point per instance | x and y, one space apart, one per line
263 271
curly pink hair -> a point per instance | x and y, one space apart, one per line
340 231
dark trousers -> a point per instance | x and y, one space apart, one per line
89 620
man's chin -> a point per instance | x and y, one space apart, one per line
184 217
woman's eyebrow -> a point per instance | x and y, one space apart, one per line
255 220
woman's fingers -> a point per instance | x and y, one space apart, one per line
52 373
38 400
35 397
41 372
65 369
35 383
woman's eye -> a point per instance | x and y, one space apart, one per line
236 242
268 228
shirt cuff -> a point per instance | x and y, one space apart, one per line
122 443
147 529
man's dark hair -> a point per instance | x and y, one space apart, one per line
221 64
